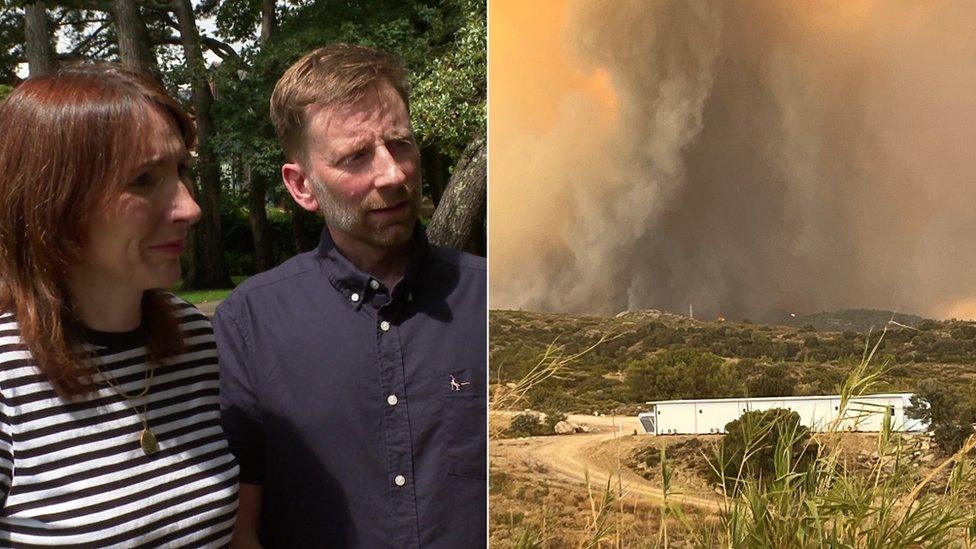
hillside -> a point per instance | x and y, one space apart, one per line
811 361
858 320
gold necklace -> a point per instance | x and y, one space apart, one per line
147 439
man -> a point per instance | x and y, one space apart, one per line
353 377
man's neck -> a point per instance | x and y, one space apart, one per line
386 264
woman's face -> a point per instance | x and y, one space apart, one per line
136 241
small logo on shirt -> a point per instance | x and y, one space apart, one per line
457 385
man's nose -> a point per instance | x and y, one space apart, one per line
387 168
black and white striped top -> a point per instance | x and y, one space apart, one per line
74 473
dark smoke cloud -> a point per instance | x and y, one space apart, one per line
806 156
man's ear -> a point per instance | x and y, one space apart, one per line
299 186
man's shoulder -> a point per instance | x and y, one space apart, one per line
271 284
462 260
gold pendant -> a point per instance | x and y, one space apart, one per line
148 442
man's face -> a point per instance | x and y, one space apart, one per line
363 168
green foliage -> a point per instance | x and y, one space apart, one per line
441 42
860 320
533 424
950 413
449 98
773 380
238 239
684 373
11 44
596 381
525 425
750 446
832 500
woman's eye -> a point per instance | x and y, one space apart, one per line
143 180
184 170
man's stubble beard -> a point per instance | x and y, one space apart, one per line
351 219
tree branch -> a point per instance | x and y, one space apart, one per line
220 49
86 43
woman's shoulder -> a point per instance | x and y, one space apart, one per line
9 330
14 356
184 311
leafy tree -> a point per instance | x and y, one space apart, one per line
750 444
441 42
949 412
773 380
682 373
533 425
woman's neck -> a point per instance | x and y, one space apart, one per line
105 307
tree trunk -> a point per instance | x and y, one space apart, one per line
299 218
258 182
435 173
133 39
269 22
258 217
37 46
209 251
458 222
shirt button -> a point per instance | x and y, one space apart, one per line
354 297
399 480
374 284
385 326
391 400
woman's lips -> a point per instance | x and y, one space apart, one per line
175 247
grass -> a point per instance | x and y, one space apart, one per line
203 296
833 501
831 504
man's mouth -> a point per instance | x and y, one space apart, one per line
392 210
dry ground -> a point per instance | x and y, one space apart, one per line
539 492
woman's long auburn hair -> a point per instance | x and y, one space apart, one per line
69 142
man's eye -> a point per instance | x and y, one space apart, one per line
354 158
184 171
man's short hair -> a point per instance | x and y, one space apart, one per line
337 74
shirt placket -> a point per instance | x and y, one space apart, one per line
397 424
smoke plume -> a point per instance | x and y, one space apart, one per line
737 156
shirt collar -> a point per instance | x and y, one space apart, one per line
347 279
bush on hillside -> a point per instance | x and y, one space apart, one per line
774 380
531 424
950 414
681 373
751 443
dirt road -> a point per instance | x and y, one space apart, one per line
572 456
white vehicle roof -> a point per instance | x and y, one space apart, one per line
773 399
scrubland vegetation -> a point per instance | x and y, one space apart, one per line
774 482
659 356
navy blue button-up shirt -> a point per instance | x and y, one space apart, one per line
360 411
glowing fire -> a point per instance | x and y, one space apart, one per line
963 309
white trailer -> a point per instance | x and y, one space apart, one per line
709 416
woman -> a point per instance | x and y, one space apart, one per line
109 422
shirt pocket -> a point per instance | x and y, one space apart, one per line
465 414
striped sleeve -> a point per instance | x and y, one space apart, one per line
6 454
